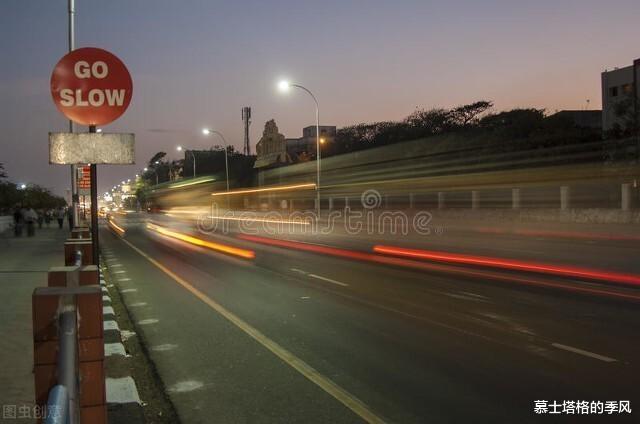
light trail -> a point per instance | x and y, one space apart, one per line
265 189
235 251
511 264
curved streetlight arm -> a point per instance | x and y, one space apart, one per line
317 145
226 160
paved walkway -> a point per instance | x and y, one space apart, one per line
24 263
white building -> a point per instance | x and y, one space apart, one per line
618 85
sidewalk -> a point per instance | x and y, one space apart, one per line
24 263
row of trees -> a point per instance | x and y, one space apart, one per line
531 128
33 196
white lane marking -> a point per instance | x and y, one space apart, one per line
129 291
164 347
124 279
138 304
186 386
115 266
111 325
464 297
120 271
319 277
328 280
111 349
583 352
148 321
326 384
122 390
108 310
479 296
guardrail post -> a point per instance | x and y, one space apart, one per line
330 203
626 197
441 200
565 197
475 199
410 200
64 276
515 198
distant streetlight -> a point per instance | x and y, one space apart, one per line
207 131
99 130
180 148
23 186
284 87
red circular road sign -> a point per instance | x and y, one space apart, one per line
91 86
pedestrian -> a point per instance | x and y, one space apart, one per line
17 222
30 217
70 218
40 218
60 216
47 217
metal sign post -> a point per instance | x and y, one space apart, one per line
94 206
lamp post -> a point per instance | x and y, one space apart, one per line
207 131
284 86
180 148
155 171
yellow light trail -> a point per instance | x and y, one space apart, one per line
115 226
266 189
267 220
243 253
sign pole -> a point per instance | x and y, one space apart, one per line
94 207
74 168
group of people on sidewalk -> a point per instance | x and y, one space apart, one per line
29 217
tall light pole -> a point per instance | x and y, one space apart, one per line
180 148
285 86
207 131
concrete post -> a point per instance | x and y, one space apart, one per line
346 202
475 199
441 200
410 200
565 197
626 196
330 203
515 198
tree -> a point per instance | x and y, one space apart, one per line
2 173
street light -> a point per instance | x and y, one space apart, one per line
207 131
284 87
180 148
23 186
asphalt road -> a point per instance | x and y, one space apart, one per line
295 336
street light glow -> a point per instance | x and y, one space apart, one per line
179 148
23 186
284 86
206 131
99 130
145 169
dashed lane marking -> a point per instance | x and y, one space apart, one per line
319 277
328 280
326 384
583 352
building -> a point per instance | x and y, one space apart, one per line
305 146
582 118
618 85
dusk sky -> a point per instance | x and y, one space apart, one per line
196 63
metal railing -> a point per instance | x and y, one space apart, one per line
63 400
